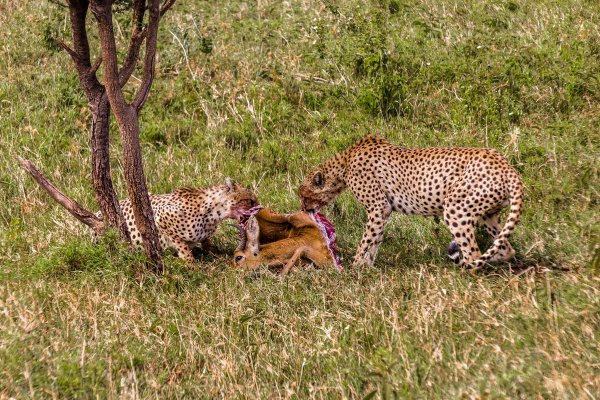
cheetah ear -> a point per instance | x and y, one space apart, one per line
228 183
318 179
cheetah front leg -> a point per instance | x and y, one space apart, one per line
207 246
183 249
372 236
369 192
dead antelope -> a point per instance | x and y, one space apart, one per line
282 239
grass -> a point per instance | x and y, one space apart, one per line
262 92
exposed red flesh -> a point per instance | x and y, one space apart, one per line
246 214
328 231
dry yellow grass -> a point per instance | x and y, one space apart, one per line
261 92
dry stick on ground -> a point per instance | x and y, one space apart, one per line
83 215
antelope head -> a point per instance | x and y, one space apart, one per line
246 255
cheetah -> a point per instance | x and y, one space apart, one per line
464 185
189 216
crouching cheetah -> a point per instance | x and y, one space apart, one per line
464 185
189 216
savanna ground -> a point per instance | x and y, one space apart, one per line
261 91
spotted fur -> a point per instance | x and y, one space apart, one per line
189 216
464 185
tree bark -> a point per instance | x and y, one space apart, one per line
100 110
127 119
136 187
101 178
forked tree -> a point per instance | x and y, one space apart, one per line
104 96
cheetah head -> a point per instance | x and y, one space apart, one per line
318 189
239 200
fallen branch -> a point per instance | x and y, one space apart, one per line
83 215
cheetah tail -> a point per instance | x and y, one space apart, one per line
514 214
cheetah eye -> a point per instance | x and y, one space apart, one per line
239 258
318 179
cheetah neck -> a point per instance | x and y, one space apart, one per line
335 167
218 200
212 201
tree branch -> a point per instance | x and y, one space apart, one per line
138 34
139 9
165 6
81 49
61 43
68 203
102 10
95 66
149 59
133 53
78 10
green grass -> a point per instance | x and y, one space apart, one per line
261 92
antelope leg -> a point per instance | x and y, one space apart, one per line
297 254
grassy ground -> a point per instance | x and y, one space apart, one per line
262 91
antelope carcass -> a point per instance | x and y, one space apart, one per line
271 239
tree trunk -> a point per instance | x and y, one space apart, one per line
136 186
101 179
127 119
104 99
100 110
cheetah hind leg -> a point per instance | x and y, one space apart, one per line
464 239
454 252
463 248
493 227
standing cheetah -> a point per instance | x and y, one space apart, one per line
189 216
464 185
